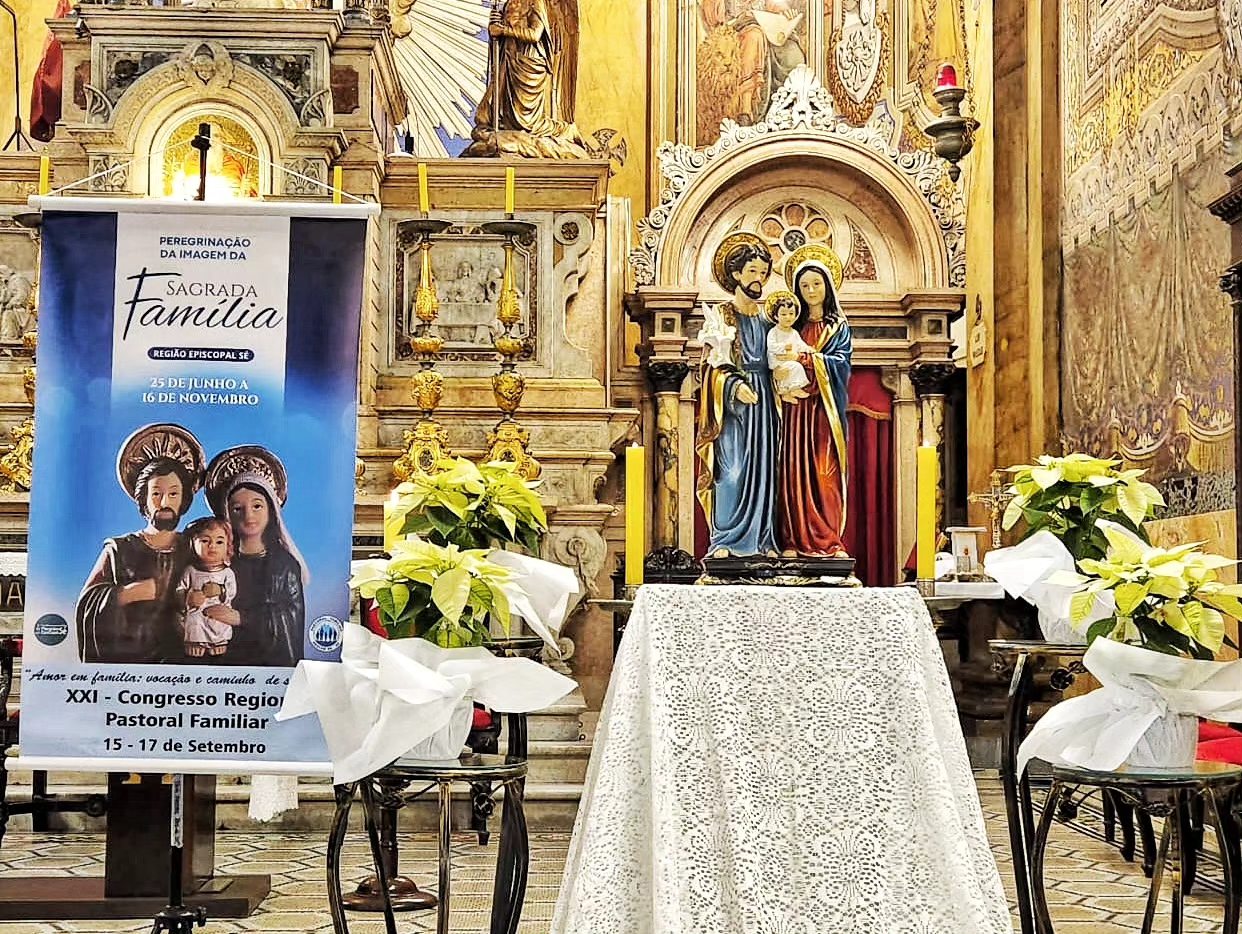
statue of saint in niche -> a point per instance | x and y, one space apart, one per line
528 108
771 441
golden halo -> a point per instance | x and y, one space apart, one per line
769 304
728 246
159 441
815 252
241 464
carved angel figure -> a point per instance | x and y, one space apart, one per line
528 108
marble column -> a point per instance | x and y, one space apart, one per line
930 380
666 377
666 317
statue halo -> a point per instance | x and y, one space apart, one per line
814 254
727 246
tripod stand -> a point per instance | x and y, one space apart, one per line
176 917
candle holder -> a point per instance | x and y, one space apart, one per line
952 134
509 441
426 445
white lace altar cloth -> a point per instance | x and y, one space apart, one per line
779 761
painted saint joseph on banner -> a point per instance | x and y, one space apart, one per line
126 612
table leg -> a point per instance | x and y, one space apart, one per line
1157 874
512 862
446 856
1228 861
1017 789
1042 921
336 840
369 807
1178 847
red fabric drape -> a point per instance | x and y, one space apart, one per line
45 96
870 528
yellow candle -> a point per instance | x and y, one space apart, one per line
928 477
391 530
424 200
45 175
509 190
635 509
336 184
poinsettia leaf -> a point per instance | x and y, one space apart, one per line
1013 512
1046 477
450 592
1129 596
1081 605
1133 503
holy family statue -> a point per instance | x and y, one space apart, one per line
772 410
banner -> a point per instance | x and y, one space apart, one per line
192 506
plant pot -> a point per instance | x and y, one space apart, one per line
446 743
1169 743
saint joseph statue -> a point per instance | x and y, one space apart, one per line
738 418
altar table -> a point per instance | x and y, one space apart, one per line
780 761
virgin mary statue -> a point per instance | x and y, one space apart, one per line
811 486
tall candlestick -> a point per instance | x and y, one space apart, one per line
424 199
635 507
928 470
45 175
391 531
336 184
509 190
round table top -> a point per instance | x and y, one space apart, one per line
1201 773
467 767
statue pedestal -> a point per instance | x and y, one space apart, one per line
793 572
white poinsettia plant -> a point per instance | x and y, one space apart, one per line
1169 600
1068 495
441 593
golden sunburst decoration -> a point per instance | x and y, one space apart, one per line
727 247
816 254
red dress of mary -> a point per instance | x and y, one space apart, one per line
813 460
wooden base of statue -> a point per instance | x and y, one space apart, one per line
792 572
135 880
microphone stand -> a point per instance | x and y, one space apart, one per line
18 135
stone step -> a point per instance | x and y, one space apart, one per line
550 806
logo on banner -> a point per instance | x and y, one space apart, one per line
325 634
51 629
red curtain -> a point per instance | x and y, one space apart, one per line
870 528
45 97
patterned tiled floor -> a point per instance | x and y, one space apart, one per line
1091 890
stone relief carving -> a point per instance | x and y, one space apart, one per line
302 175
98 106
581 548
122 67
206 65
19 261
858 50
290 72
316 111
861 262
800 105
574 232
468 266
108 173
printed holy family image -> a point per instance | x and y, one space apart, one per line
226 587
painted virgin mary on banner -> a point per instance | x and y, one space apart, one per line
811 483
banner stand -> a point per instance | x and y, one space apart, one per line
135 880
140 683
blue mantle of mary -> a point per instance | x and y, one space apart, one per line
739 444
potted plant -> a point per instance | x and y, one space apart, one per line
1067 496
441 593
1168 600
470 506
1152 648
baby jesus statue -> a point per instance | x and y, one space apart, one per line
784 347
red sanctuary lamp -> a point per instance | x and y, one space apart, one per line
951 133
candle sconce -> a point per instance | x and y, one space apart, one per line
952 134
427 443
509 441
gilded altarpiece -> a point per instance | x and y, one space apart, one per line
1149 89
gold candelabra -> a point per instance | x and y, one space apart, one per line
426 445
509 441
